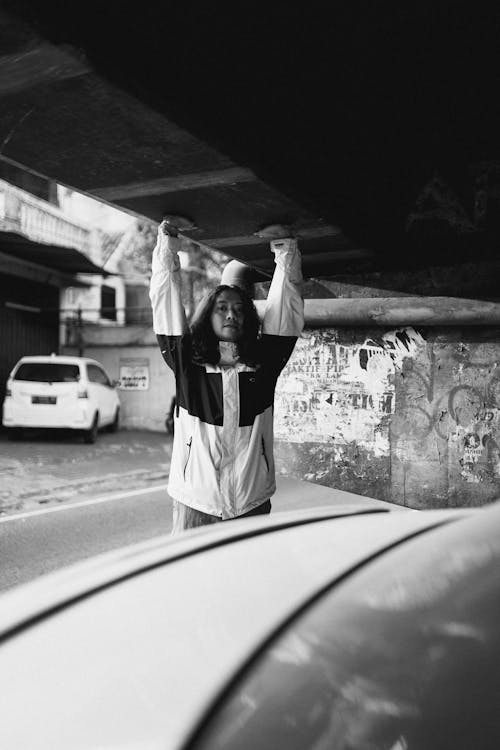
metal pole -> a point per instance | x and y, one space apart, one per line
79 332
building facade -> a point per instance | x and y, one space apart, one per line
49 267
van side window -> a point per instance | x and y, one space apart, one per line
96 375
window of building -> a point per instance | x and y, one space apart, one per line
108 302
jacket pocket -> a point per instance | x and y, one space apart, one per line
189 444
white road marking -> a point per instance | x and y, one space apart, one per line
83 503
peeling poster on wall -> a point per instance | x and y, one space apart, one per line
332 391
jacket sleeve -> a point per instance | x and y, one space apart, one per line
284 313
169 318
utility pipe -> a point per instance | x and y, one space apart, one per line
397 311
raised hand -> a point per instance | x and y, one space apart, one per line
168 229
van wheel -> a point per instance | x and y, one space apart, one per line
90 435
113 427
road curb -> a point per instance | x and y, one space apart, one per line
66 491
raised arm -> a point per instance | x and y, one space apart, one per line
169 318
284 315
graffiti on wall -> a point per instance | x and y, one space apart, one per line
342 392
454 400
423 403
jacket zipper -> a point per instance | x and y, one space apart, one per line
188 455
264 453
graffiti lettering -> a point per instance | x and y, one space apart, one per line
460 406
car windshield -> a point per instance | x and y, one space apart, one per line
48 372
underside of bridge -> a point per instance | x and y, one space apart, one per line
371 128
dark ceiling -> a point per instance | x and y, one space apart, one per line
373 127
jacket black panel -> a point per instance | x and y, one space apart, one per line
197 391
200 392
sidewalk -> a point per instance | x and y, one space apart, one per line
50 468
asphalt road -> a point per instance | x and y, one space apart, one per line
62 501
40 541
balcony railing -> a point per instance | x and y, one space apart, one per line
40 221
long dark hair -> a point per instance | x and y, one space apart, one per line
205 344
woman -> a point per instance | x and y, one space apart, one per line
225 372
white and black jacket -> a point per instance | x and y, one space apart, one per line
222 456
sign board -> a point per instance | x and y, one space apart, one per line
134 374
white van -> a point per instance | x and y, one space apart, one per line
64 392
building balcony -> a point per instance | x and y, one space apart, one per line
39 220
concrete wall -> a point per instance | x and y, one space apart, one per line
404 415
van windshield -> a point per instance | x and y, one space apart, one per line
48 372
